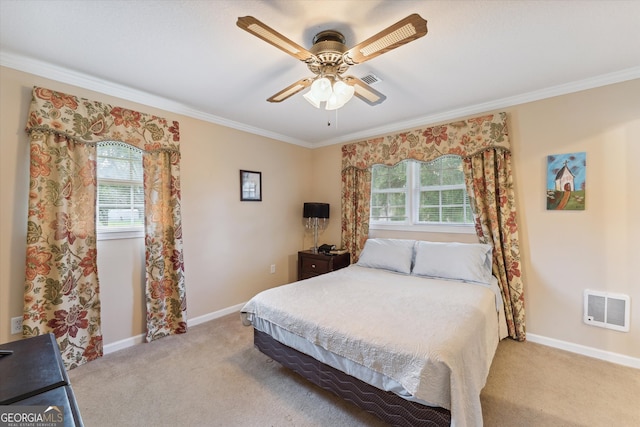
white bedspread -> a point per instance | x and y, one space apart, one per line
436 338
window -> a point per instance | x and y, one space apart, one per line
120 202
415 195
389 195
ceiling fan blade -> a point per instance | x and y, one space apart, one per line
404 31
291 90
271 36
364 91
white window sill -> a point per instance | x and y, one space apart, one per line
120 234
431 228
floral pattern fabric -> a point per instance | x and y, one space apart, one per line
61 289
61 286
462 138
356 194
473 140
165 290
490 187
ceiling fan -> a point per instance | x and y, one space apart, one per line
329 59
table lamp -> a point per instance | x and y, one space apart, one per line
316 215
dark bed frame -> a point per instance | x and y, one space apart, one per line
386 405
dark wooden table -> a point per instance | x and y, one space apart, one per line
35 375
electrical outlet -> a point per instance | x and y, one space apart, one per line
273 268
16 325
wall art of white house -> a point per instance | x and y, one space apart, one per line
566 181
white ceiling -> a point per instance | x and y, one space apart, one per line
189 57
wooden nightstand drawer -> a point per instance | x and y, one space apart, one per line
312 264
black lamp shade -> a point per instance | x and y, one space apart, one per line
316 210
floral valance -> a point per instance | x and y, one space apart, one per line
90 122
463 138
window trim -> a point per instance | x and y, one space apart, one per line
137 233
427 228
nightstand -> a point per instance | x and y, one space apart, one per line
312 264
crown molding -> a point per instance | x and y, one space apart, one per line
564 89
65 75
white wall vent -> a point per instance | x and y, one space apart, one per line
606 310
371 79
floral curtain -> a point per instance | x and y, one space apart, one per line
490 188
61 289
61 286
165 290
356 194
471 139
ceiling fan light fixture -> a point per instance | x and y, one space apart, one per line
329 58
321 89
333 103
339 98
343 92
312 99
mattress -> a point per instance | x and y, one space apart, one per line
386 405
428 341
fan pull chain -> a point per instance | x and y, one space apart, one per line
336 119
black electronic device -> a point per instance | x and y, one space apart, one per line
325 248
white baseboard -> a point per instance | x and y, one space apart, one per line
608 356
122 344
214 315
139 339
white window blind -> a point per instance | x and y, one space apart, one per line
120 203
441 192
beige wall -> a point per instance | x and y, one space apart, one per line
569 251
229 245
566 252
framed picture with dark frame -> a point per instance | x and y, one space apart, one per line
250 186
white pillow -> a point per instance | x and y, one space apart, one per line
388 254
470 262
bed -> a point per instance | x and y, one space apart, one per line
408 333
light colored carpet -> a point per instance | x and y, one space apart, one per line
213 376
